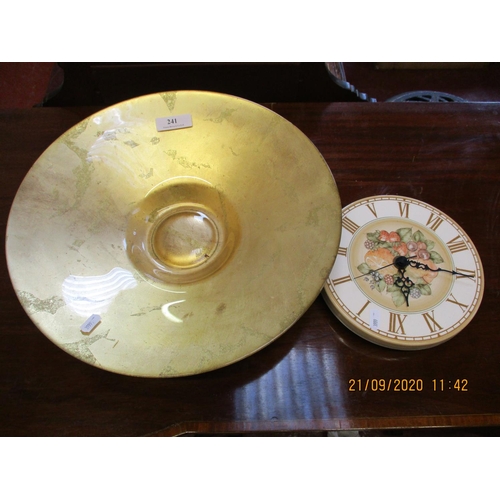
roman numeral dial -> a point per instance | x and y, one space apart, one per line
406 276
349 225
457 245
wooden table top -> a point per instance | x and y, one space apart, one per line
447 155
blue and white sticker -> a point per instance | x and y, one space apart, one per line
90 324
374 320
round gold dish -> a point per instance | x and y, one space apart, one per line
164 253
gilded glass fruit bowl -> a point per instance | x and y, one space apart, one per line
168 251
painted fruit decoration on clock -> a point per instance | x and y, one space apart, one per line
406 275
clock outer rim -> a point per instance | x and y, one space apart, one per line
388 342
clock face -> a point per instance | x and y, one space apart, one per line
365 290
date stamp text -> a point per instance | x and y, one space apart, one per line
407 385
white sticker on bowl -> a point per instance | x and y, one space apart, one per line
90 324
173 122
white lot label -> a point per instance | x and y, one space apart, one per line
173 122
375 319
90 324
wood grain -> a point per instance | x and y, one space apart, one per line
447 155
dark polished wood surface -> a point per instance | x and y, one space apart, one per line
447 155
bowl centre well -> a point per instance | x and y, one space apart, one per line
182 231
185 239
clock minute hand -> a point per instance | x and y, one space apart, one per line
425 267
374 271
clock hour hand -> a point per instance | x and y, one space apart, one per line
403 282
425 267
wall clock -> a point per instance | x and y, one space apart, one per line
406 275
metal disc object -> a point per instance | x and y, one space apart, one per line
173 234
425 96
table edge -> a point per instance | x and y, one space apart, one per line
338 424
